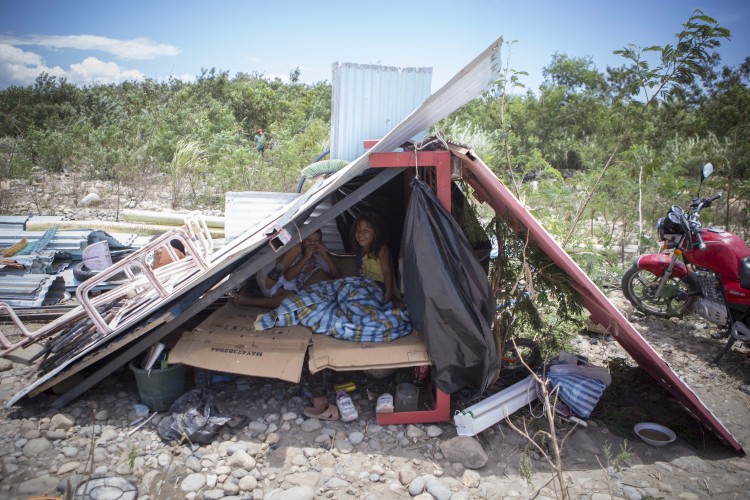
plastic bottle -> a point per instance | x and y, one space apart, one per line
346 407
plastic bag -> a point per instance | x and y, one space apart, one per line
581 394
194 416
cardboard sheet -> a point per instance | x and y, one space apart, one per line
343 355
227 341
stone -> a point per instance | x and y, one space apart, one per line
464 450
193 482
90 200
240 458
356 437
437 489
38 486
416 486
61 421
248 483
470 479
35 447
295 493
311 425
303 479
414 433
434 431
68 467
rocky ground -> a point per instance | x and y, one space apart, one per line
279 453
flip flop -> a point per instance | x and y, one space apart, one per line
329 412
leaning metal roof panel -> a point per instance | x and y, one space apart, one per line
243 210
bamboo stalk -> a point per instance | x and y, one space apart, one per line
167 218
119 227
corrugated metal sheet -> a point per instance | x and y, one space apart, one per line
243 210
369 100
31 290
72 241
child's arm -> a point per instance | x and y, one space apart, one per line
333 271
384 256
294 270
282 263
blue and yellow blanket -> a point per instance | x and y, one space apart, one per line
347 308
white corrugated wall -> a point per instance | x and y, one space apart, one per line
369 100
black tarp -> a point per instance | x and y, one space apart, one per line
448 296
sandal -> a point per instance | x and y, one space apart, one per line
329 412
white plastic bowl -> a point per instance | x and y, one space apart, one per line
654 434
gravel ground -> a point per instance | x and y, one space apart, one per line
96 442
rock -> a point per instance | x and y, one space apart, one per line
582 444
343 445
193 482
303 479
464 450
90 200
240 458
434 431
55 435
471 479
336 483
416 487
406 476
356 437
38 486
311 425
437 489
414 433
60 421
248 483
5 365
35 447
295 493
68 467
690 464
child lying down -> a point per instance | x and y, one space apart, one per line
348 308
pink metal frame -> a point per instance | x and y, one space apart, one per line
143 290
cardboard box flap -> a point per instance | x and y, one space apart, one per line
228 342
344 355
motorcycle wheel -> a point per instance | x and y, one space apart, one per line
639 287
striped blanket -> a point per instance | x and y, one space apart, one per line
347 308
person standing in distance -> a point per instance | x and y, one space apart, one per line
260 140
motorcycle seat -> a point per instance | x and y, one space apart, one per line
745 273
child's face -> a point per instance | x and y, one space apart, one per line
312 240
364 234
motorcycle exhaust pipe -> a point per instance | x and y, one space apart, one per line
740 331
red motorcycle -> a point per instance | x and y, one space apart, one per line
699 270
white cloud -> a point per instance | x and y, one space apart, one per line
136 48
20 67
92 70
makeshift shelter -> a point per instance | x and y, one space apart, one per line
216 273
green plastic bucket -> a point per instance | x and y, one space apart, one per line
159 387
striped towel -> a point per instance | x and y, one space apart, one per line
347 308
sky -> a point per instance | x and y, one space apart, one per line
103 41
